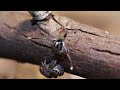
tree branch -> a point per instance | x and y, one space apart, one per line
95 53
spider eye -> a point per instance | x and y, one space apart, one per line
57 71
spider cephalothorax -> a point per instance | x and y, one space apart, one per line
51 70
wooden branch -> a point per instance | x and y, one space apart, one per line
95 53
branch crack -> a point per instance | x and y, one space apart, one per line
106 51
74 29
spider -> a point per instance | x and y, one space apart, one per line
51 70
59 45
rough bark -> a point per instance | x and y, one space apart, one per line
95 53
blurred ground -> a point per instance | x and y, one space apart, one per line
109 21
10 69
7 68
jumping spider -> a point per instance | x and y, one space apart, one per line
59 45
51 70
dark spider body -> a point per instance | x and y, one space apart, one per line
51 70
59 47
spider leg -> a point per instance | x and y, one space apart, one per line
71 67
53 64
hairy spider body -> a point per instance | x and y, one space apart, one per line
51 70
59 47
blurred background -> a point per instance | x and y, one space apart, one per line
106 20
